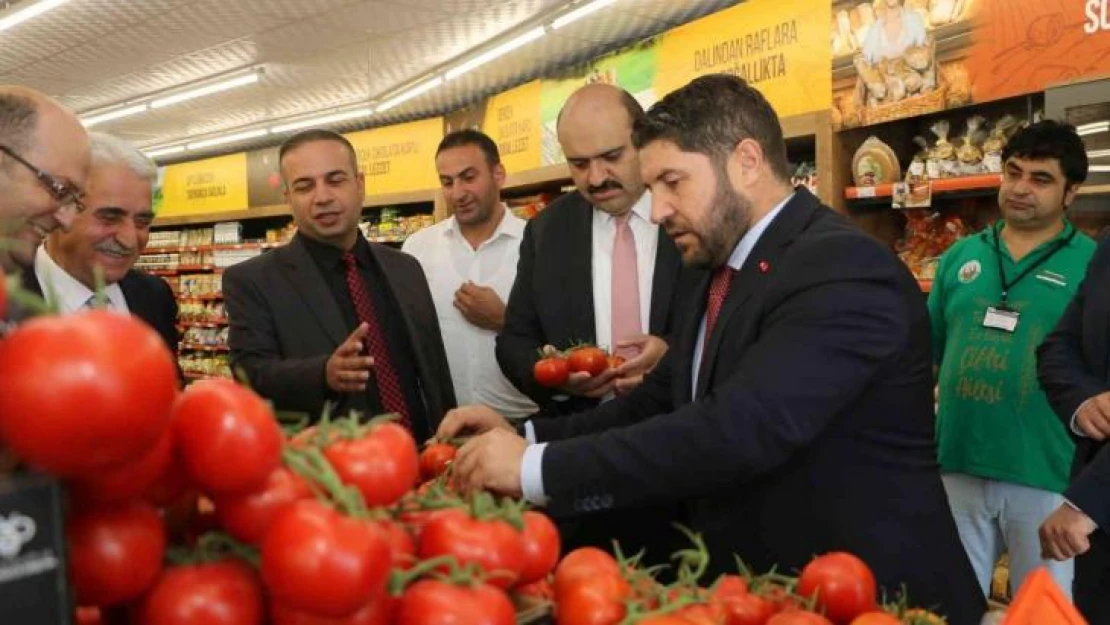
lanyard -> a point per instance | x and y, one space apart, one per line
1006 286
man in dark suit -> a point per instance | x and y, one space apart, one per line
332 317
1073 365
593 268
107 236
794 416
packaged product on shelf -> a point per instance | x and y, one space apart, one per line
928 235
942 162
970 154
917 172
996 142
227 233
875 163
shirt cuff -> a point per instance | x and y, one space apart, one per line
529 432
1074 425
531 474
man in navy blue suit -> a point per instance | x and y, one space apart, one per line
1074 369
794 415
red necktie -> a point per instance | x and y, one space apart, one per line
718 290
389 384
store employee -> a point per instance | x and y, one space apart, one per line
470 260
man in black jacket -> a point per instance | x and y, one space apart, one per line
1074 369
794 415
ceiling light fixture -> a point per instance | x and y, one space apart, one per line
1101 169
420 89
497 52
232 138
579 13
199 92
20 15
116 114
1098 153
155 153
321 121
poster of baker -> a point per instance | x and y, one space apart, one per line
901 58
886 63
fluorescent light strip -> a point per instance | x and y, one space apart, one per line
22 15
239 136
206 90
177 149
411 93
1099 168
322 121
116 114
579 13
1094 125
1098 153
494 53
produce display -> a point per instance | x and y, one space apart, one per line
554 367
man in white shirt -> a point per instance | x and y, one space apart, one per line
593 267
470 261
106 237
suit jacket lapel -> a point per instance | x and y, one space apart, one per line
667 264
748 286
579 293
305 277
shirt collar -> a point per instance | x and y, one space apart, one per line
72 294
330 256
510 226
747 242
993 233
641 209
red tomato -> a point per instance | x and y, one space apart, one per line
171 486
780 597
541 547
432 602
115 552
703 614
247 516
317 560
798 617
595 601
876 618
843 584
220 593
729 586
592 360
551 372
747 609
383 464
536 590
84 615
127 481
377 612
666 619
435 459
402 547
616 361
84 392
583 564
228 437
496 546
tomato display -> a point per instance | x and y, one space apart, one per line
591 360
383 464
494 545
226 592
115 552
843 585
551 372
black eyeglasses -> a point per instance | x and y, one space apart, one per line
66 193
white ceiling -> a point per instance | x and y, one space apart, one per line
316 55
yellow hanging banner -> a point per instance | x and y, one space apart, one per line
400 158
513 122
779 46
212 185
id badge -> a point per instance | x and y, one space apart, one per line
1001 319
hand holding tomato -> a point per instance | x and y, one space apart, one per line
491 462
471 420
435 458
648 350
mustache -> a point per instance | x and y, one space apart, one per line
115 247
607 185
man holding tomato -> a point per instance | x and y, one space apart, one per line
331 317
593 268
44 160
794 414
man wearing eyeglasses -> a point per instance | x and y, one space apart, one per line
108 236
44 160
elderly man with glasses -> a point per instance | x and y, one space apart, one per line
44 160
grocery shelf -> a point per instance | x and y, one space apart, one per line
196 347
212 297
158 272
217 323
940 186
150 251
192 376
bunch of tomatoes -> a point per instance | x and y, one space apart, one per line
552 371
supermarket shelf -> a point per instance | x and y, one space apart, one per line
203 348
986 182
182 269
386 239
212 297
1095 189
193 377
158 272
150 251
219 323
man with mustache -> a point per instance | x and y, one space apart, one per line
1004 456
593 268
44 159
107 237
331 317
794 414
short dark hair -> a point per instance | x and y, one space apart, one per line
630 104
19 117
711 115
312 136
1050 139
477 138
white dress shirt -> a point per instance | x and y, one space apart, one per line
646 235
531 469
449 261
66 293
